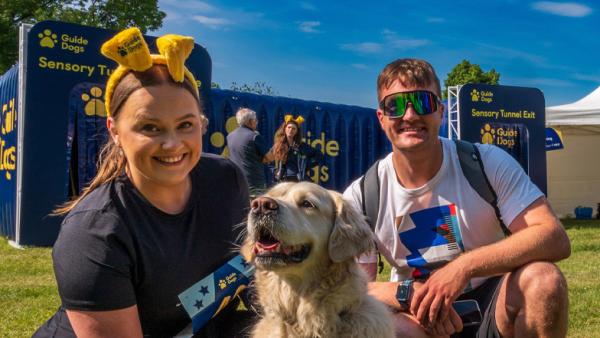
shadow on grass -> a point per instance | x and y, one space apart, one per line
581 223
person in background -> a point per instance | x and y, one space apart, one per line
444 240
293 157
158 217
248 150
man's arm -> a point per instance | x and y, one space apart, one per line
269 157
385 292
537 236
263 151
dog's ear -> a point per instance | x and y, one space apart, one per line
351 235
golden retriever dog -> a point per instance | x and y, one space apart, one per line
303 240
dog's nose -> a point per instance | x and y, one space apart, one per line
264 205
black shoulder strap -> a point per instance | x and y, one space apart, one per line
472 167
369 191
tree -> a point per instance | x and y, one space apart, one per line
110 14
466 72
259 88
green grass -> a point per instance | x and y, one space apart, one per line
28 295
582 270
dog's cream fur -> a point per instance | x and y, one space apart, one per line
326 294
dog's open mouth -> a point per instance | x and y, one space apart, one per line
271 252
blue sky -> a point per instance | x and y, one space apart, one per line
332 51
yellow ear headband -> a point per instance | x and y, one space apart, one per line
299 120
129 49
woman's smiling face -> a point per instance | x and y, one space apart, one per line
160 132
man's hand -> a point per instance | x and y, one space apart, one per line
386 293
445 327
431 304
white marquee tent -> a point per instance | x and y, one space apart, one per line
574 172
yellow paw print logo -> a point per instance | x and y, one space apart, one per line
474 95
222 284
217 139
487 134
47 39
94 104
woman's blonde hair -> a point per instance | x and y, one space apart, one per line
281 145
111 160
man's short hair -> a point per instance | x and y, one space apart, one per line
410 73
245 115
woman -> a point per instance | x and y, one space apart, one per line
151 224
293 158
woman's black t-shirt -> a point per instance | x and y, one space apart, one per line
115 249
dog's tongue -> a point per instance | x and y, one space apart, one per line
268 246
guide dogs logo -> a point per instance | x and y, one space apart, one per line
130 46
94 103
504 136
8 151
482 96
474 95
75 44
488 134
48 39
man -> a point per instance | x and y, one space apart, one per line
425 197
247 149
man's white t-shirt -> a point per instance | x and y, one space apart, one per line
426 227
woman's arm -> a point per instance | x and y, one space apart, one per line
92 263
115 324
269 156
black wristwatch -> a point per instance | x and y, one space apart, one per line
404 292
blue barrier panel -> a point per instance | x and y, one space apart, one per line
8 152
349 137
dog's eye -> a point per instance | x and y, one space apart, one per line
307 204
